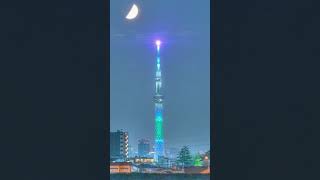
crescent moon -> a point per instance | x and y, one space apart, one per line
133 12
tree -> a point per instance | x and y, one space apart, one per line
184 157
197 160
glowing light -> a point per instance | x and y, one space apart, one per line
158 114
158 42
159 134
159 118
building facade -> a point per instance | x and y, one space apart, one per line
119 145
143 148
122 167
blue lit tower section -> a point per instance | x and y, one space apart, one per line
158 100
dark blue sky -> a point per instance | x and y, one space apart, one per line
184 28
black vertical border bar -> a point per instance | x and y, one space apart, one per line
103 87
212 84
217 95
107 84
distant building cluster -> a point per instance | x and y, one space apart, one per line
124 160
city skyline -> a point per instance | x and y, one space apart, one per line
185 66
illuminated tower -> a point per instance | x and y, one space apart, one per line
158 100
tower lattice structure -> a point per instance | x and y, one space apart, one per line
158 100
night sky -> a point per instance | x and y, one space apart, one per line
184 28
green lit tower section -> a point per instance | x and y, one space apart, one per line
158 100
